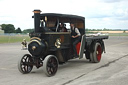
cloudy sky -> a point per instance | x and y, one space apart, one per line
99 14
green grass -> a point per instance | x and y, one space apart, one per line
19 38
13 39
118 34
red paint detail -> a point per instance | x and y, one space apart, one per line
78 47
99 53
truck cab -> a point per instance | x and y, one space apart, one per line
47 26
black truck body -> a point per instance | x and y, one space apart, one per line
48 47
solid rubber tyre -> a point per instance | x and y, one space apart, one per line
95 56
24 64
50 65
87 55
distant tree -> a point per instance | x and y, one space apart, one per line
18 30
8 28
28 30
86 29
106 29
99 29
3 26
124 31
93 29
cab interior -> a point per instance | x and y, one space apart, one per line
51 23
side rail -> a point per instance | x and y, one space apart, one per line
82 46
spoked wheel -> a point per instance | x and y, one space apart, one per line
25 64
96 55
50 65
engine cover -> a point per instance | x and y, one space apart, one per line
37 47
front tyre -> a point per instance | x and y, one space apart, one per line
25 64
50 65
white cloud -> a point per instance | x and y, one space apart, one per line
98 13
112 1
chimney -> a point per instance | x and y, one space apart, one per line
36 20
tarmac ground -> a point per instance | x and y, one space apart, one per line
112 69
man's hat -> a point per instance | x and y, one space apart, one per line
71 23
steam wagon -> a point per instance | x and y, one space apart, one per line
49 47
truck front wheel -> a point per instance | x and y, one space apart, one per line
95 56
50 65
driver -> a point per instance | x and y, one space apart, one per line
62 28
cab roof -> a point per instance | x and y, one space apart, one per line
62 16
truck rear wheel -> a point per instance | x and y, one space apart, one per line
95 56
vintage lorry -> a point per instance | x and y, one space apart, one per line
48 48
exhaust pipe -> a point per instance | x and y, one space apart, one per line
37 20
